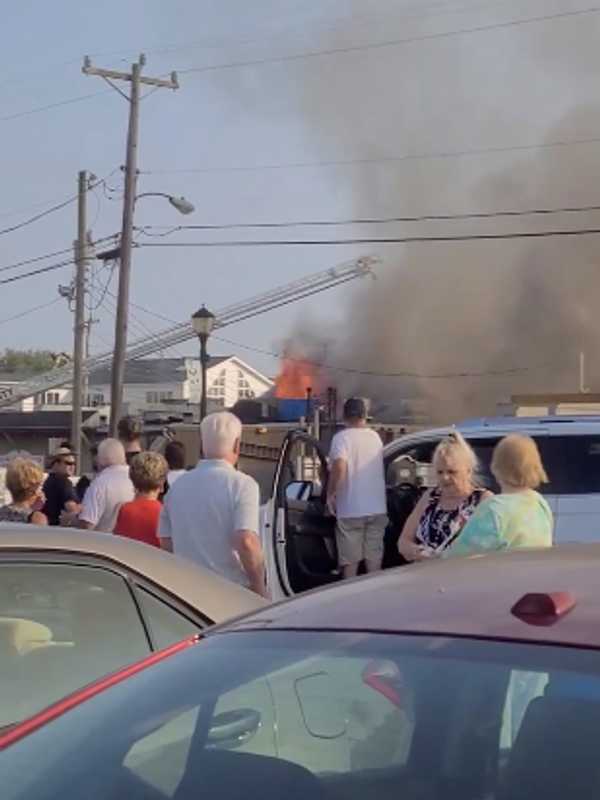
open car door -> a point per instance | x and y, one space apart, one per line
303 532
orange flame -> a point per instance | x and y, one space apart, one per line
295 378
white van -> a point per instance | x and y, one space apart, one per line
299 537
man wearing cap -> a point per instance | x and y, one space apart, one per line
59 491
356 491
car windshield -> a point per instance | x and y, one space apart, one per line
324 715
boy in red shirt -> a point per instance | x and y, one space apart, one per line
139 518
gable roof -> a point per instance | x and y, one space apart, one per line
151 370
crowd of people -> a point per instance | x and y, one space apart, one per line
210 514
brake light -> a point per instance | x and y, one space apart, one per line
543 608
385 678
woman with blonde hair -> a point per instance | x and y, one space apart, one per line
519 516
441 514
24 481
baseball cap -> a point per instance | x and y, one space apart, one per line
355 408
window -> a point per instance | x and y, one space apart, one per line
53 398
61 626
158 397
569 461
315 715
576 462
167 626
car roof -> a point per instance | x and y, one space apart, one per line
211 595
470 596
501 426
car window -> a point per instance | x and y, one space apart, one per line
523 688
329 715
580 463
411 464
167 625
62 626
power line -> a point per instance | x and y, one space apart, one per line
390 42
381 240
39 271
375 374
57 207
28 261
50 106
349 370
36 259
30 311
366 220
352 162
41 215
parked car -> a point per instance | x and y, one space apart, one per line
299 535
436 681
76 605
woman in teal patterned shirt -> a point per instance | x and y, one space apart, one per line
520 516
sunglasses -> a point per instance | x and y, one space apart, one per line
68 463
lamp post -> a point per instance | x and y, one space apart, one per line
203 322
124 252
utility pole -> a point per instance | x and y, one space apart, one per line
82 248
126 244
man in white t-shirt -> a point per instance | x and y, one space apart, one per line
356 491
211 514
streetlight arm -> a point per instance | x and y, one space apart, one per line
180 203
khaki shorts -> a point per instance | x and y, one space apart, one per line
360 539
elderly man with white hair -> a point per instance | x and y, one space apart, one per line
211 514
107 492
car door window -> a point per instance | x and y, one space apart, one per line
166 625
411 464
62 626
576 464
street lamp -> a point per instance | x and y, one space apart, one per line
203 322
180 203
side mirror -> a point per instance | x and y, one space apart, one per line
299 490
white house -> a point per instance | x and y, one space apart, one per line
153 383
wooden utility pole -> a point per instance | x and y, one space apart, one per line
126 244
82 257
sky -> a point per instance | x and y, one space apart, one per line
341 135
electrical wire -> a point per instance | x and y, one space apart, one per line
375 374
136 323
351 371
432 10
381 240
390 42
50 106
39 271
42 258
104 290
39 216
22 314
367 220
353 162
63 204
35 260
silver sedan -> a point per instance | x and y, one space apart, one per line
77 605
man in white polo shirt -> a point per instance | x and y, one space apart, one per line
107 492
211 514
